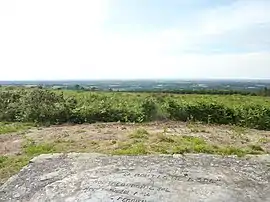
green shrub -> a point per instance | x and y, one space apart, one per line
42 106
55 107
149 109
9 105
177 111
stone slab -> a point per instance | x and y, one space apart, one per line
98 178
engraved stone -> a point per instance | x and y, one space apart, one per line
95 177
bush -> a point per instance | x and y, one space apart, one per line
39 106
55 107
177 111
149 109
211 113
43 106
9 105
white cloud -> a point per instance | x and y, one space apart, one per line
244 23
238 15
7 8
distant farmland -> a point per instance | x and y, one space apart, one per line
149 85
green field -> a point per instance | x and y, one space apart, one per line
56 107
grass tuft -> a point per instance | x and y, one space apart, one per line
34 150
161 137
256 148
14 127
131 149
10 165
140 133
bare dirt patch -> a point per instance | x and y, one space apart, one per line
16 149
10 144
102 136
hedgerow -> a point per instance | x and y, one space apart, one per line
56 107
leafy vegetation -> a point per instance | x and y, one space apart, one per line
14 127
204 92
55 107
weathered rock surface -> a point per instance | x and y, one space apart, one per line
94 177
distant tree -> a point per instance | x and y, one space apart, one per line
10 88
264 92
93 88
77 87
267 91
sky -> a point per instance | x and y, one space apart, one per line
134 39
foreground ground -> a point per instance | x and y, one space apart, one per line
19 142
143 178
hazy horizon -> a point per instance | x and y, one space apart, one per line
156 79
134 40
